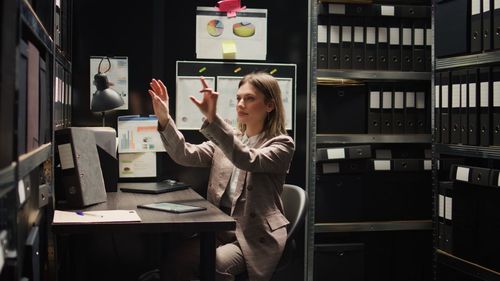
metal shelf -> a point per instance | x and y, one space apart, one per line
468 60
492 152
371 138
30 18
33 159
7 175
373 226
373 75
467 267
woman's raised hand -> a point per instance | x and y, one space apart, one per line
208 105
159 99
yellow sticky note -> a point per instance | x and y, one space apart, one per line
229 49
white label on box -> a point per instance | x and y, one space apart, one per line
496 4
374 99
437 96
410 99
407 36
496 94
462 174
484 95
427 165
444 96
335 153
387 100
322 33
330 168
448 208
2 257
455 95
486 6
387 11
428 37
334 34
463 97
418 36
472 95
382 34
382 165
358 34
394 35
66 156
441 206
475 7
398 100
337 9
21 191
421 100
370 35
346 34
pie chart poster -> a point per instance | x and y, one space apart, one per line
244 36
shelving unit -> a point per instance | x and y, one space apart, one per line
467 267
468 60
322 80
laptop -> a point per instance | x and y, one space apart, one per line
152 187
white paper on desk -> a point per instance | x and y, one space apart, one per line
137 165
139 134
187 115
62 217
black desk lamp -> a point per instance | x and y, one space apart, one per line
104 98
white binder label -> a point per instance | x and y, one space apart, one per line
444 96
496 93
346 34
407 36
428 37
382 34
486 6
441 206
382 165
498 181
472 95
358 34
463 95
427 165
337 9
335 34
322 33
335 153
398 100
2 257
370 35
66 156
418 36
421 100
21 191
455 95
374 99
483 95
330 168
475 8
496 4
387 10
438 164
387 100
410 99
437 95
394 35
448 208
462 174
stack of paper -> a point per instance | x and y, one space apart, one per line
63 217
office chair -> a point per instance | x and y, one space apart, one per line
295 206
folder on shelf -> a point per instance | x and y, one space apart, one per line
496 24
455 108
398 122
429 41
45 104
382 47
334 44
418 55
407 165
358 50
496 105
441 225
445 113
472 108
422 126
371 48
448 216
476 39
374 112
410 113
484 106
386 116
346 33
394 46
487 36
33 98
406 42
452 27
322 45
463 107
437 107
343 153
480 176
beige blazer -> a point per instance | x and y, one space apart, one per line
258 210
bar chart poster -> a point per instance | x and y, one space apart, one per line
138 134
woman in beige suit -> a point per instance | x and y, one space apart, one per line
248 170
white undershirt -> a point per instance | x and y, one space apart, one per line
228 196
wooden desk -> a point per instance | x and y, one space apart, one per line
207 223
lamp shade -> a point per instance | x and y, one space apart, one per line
104 98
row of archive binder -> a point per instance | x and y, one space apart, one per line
467 106
375 37
62 97
464 26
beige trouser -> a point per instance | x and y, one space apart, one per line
183 258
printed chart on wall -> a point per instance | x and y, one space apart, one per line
116 69
243 37
225 77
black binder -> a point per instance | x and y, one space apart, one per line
322 45
437 107
407 45
418 56
422 126
429 41
472 107
334 44
496 25
382 47
476 27
484 106
445 108
455 108
358 50
487 36
398 113
410 113
496 105
394 46
448 216
407 165
386 112
346 34
343 153
371 48
374 112
452 19
440 213
464 127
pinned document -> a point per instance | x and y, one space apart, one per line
138 134
229 49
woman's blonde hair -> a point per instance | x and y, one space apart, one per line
266 84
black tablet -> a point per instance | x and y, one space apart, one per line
172 207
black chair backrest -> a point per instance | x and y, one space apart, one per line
295 204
